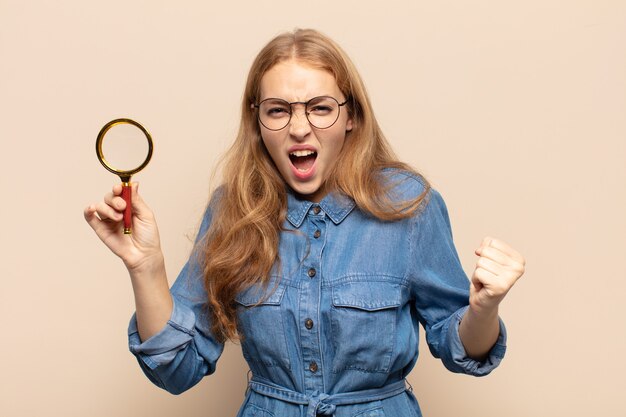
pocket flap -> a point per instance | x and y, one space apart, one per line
367 295
251 296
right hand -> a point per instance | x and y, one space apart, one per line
139 250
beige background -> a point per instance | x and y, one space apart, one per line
514 110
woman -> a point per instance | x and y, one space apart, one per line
320 252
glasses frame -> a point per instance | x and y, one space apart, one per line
306 114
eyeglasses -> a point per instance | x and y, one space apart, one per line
321 112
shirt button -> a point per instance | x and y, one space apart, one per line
311 272
317 234
313 367
308 323
316 210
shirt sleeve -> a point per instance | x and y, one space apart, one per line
185 350
441 291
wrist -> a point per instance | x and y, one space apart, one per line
482 314
484 307
148 266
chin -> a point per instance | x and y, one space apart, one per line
305 190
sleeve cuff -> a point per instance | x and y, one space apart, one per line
161 348
456 358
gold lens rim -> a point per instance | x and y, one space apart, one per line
123 174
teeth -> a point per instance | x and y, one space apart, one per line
306 152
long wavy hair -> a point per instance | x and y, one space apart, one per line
241 246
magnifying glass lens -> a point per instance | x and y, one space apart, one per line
124 147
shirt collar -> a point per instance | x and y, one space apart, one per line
336 205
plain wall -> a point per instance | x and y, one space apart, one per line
516 111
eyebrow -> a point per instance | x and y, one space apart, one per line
303 101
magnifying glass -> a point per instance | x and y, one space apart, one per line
125 147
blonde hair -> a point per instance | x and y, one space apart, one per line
241 247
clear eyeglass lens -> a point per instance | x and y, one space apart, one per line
322 112
275 113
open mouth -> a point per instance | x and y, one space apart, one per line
303 160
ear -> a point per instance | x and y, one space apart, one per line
349 125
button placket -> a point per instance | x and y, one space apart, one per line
310 298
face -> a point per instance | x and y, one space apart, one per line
303 154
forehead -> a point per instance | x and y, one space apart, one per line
295 81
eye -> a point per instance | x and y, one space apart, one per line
321 106
275 109
320 109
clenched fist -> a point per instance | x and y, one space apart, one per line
497 269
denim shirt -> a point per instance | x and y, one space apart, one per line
341 314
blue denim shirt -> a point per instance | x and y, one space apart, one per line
343 317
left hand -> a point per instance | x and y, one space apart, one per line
497 269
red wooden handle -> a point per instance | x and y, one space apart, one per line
128 211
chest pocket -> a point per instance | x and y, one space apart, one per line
262 325
364 318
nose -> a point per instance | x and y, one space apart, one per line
299 126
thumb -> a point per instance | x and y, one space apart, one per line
140 208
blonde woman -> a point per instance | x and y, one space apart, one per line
321 253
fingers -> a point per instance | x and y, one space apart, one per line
498 267
481 277
498 262
109 213
115 201
90 215
489 265
490 243
117 189
98 224
110 209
